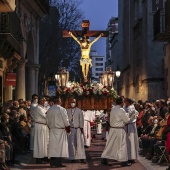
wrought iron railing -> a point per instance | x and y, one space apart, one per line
4 23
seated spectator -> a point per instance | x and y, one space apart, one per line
5 135
147 136
24 125
166 133
3 166
163 108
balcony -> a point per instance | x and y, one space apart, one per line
7 5
162 30
8 44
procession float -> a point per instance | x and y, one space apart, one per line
90 96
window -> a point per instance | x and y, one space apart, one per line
99 59
99 64
99 69
98 74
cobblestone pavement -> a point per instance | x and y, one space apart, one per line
93 161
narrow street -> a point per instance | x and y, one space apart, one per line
93 161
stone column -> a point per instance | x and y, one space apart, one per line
36 79
8 93
20 82
32 80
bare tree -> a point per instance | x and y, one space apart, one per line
56 51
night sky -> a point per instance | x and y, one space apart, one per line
99 12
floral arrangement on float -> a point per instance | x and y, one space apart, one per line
94 89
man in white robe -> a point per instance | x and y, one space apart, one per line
58 123
116 145
41 136
132 135
76 138
33 105
88 117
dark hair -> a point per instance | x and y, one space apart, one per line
119 101
57 100
129 100
34 95
21 118
41 99
140 102
162 101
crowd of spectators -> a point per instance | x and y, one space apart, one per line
15 126
153 132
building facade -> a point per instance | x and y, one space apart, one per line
139 58
161 34
112 43
98 63
19 49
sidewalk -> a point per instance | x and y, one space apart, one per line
151 166
93 161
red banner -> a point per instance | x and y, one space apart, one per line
10 79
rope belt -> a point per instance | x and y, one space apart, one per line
117 127
57 128
40 123
75 127
87 121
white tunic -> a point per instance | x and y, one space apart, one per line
57 120
33 105
132 135
41 136
88 117
116 146
76 138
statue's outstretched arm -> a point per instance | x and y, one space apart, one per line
74 37
96 38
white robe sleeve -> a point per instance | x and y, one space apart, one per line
65 117
125 118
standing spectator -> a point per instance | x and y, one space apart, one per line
58 123
139 120
20 101
163 109
15 106
76 139
22 111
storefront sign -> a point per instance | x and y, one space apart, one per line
10 79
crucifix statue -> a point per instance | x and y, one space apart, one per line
85 44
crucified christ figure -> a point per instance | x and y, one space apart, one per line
85 45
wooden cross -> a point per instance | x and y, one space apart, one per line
85 31
85 44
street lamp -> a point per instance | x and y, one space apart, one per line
62 77
108 77
101 78
118 73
